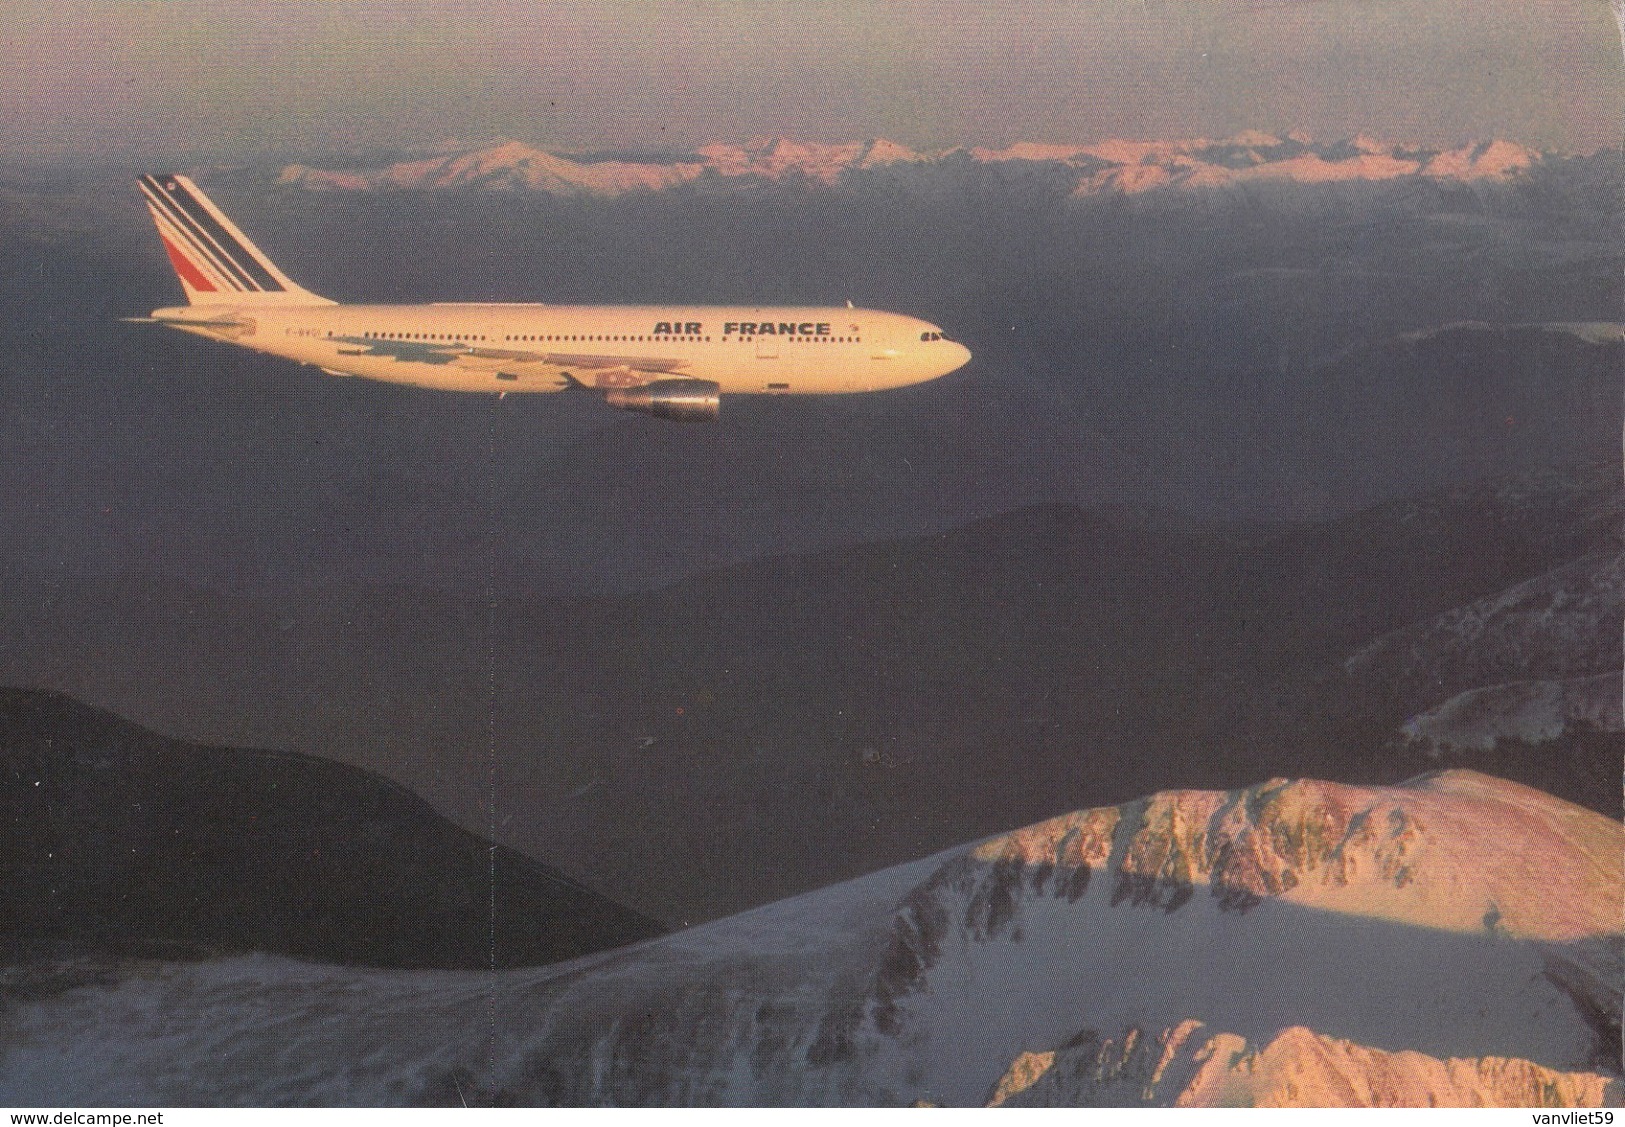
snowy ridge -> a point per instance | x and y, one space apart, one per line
1126 167
1454 940
1530 712
1535 662
1289 903
506 167
1563 624
1368 851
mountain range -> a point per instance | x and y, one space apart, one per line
1451 941
1118 166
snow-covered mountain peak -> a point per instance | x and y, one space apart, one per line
1027 151
773 158
1370 145
1191 1065
1293 942
510 150
1411 854
881 151
508 166
1493 160
1253 139
1288 902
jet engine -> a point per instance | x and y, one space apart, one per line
693 400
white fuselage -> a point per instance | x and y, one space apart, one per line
544 348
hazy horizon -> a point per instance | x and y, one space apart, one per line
216 80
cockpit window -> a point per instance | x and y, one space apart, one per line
935 335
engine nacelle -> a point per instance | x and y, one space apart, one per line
690 400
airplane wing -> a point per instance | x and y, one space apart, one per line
416 351
588 369
607 371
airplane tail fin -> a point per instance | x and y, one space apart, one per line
216 263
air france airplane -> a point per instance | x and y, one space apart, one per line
672 362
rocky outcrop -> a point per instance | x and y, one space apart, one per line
1190 1065
1316 842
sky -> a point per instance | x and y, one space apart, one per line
237 78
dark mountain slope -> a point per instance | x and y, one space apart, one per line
775 726
861 706
115 840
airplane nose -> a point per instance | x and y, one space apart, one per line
961 357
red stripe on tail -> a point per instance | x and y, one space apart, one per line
190 274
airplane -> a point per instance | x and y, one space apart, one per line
672 362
